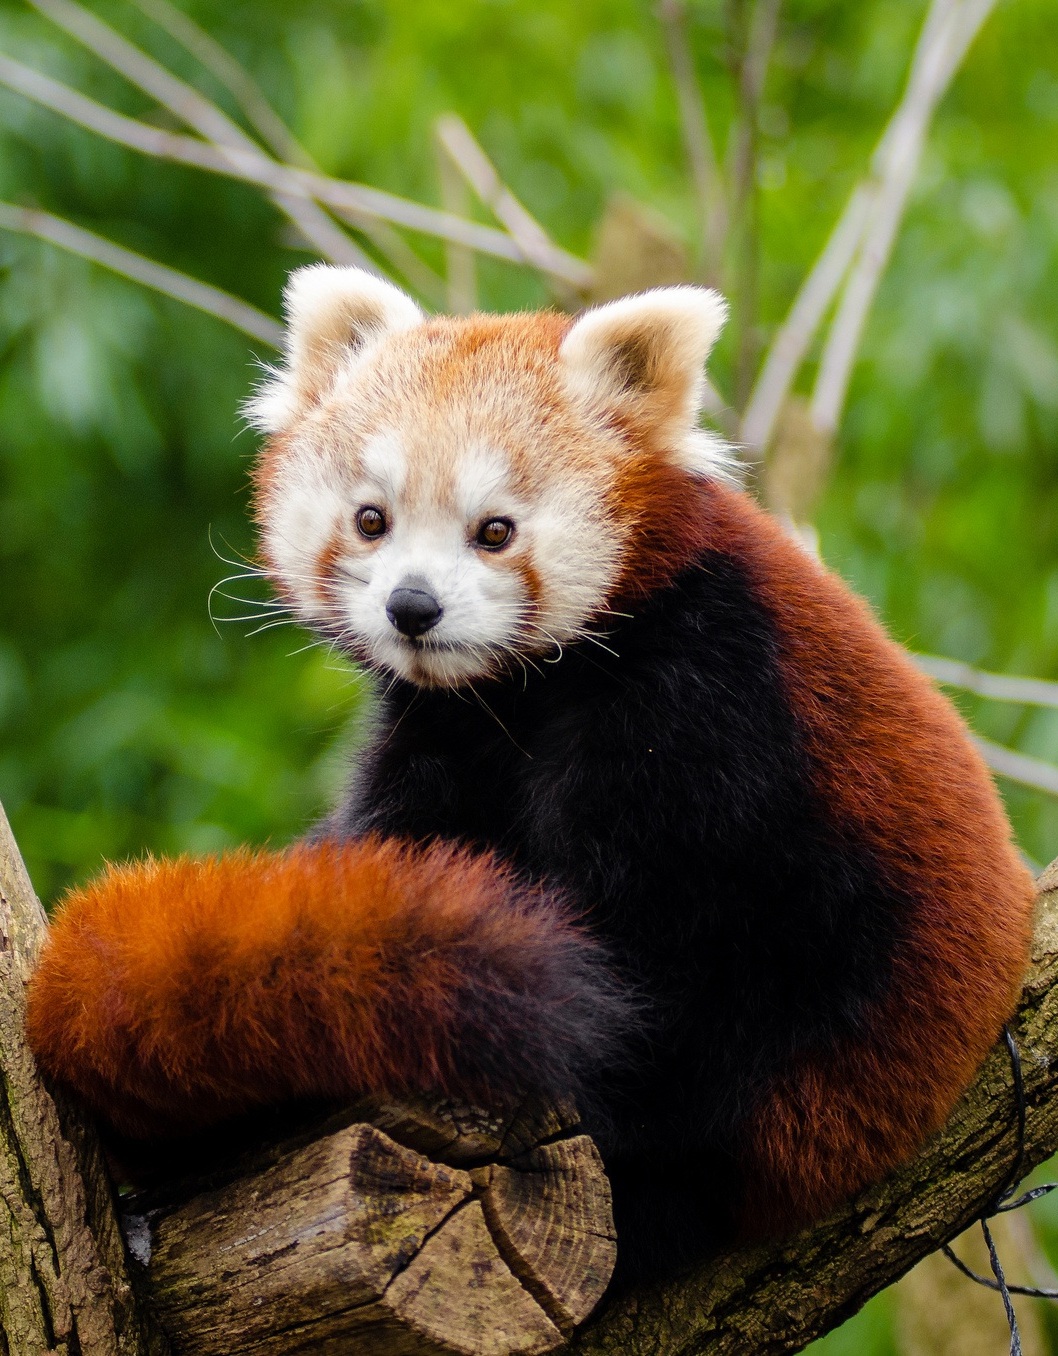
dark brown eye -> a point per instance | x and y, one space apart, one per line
495 533
371 522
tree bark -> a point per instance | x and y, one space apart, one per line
64 1284
431 1230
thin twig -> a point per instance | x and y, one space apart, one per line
470 159
793 338
106 122
760 40
939 54
999 686
460 267
255 167
279 139
697 138
234 77
198 112
331 241
67 236
1019 767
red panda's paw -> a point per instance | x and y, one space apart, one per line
174 994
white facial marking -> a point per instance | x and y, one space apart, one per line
306 511
435 499
384 466
481 480
432 523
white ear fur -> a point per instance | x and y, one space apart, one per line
332 314
647 354
653 344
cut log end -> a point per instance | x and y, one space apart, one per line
431 1230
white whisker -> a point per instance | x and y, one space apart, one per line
271 625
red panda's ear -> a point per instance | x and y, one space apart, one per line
646 353
332 313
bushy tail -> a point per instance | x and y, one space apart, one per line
174 994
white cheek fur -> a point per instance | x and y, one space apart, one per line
488 616
305 511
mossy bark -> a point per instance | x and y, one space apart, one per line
64 1284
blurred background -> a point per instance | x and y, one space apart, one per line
875 187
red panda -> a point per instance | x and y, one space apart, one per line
653 812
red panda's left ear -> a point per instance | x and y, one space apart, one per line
645 353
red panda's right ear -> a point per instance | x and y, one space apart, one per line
332 314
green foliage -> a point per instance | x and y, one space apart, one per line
868 1333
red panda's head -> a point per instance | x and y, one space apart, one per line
441 496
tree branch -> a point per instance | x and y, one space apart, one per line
432 1230
64 1284
246 1291
425 1229
169 281
255 167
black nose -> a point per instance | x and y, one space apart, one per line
412 608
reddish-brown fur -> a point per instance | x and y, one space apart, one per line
173 994
665 529
894 765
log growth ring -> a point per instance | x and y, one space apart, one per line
428 1232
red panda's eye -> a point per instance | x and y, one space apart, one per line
371 522
495 533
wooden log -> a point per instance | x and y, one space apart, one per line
431 1230
64 1285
